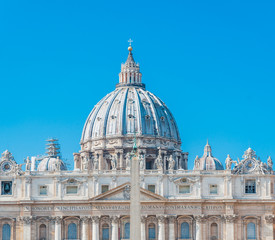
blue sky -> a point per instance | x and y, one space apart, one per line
211 62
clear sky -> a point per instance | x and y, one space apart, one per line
211 62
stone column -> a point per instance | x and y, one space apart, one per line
199 219
143 227
85 222
115 220
57 227
27 221
161 227
28 182
268 227
120 160
101 164
229 232
95 228
171 227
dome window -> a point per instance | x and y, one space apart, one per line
113 116
162 118
98 118
131 116
147 117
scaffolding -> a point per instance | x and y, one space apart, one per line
53 148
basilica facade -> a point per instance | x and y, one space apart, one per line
43 200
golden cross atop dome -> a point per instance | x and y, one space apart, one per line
130 44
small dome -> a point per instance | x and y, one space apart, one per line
207 161
51 164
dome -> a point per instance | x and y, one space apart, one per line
51 164
207 161
130 109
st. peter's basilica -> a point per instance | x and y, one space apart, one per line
228 199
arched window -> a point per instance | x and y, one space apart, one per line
105 231
127 230
214 231
6 232
42 232
184 229
152 231
72 231
251 231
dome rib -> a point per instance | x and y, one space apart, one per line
104 127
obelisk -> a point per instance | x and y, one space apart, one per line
135 222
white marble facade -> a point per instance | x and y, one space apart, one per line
215 200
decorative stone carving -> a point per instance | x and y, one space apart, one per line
228 162
112 141
127 192
159 162
197 163
200 218
171 164
96 161
95 219
143 219
269 219
85 163
230 218
249 164
57 219
141 161
161 219
114 219
128 161
28 164
28 180
26 220
114 161
85 219
171 219
270 163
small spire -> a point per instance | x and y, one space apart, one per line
130 73
207 149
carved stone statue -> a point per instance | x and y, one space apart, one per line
172 162
128 161
114 161
197 163
85 163
18 169
158 162
96 162
28 164
270 163
141 161
58 164
228 162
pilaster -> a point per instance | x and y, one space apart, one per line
95 227
85 222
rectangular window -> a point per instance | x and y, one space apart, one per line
104 188
71 189
152 188
43 190
184 189
6 188
213 189
250 186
